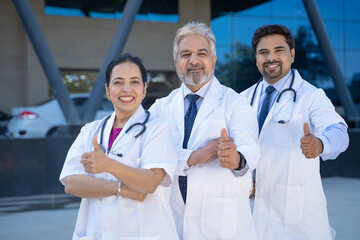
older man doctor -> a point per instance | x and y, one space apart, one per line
216 133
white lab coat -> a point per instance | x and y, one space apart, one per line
119 217
217 205
289 200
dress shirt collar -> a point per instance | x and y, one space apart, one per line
201 92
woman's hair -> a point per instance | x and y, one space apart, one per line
271 30
123 59
194 29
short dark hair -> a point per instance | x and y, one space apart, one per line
126 58
270 30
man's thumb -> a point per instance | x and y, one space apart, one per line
224 136
306 129
96 145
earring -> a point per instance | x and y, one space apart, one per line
108 97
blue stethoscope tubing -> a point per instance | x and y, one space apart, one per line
143 125
290 88
282 92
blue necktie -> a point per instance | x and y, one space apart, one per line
265 106
189 122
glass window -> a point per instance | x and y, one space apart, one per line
289 9
222 29
79 81
351 9
335 31
151 10
246 26
352 35
331 9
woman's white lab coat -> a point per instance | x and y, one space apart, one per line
119 217
289 201
217 205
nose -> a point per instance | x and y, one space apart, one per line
271 56
126 87
194 59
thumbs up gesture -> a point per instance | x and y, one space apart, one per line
227 153
311 146
95 161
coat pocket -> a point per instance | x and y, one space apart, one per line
289 133
219 217
286 203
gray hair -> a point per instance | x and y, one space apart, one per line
197 29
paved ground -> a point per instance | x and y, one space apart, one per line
21 222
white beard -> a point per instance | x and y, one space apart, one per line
195 79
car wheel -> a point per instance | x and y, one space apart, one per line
52 132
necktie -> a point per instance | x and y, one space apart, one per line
189 122
265 106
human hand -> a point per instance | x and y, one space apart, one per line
311 146
95 161
228 155
205 154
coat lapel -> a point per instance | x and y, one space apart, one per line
176 107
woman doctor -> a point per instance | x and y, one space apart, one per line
124 191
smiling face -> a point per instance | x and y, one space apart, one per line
194 63
274 57
126 89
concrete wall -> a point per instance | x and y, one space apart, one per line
78 43
33 166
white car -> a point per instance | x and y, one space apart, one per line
45 119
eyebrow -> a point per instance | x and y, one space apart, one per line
199 50
120 78
265 49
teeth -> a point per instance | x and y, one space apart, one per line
126 98
272 66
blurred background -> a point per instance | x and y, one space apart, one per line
52 57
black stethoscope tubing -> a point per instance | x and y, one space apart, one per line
133 125
290 88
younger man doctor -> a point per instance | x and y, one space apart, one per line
209 196
296 128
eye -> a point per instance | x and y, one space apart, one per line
135 82
263 52
185 55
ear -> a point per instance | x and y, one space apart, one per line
107 89
145 87
214 59
292 55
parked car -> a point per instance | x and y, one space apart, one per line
4 122
45 119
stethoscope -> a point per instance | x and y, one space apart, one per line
290 88
142 125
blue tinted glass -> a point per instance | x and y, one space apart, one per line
59 11
353 73
352 59
76 12
221 27
331 9
285 8
352 35
335 31
351 8
262 10
246 26
223 53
